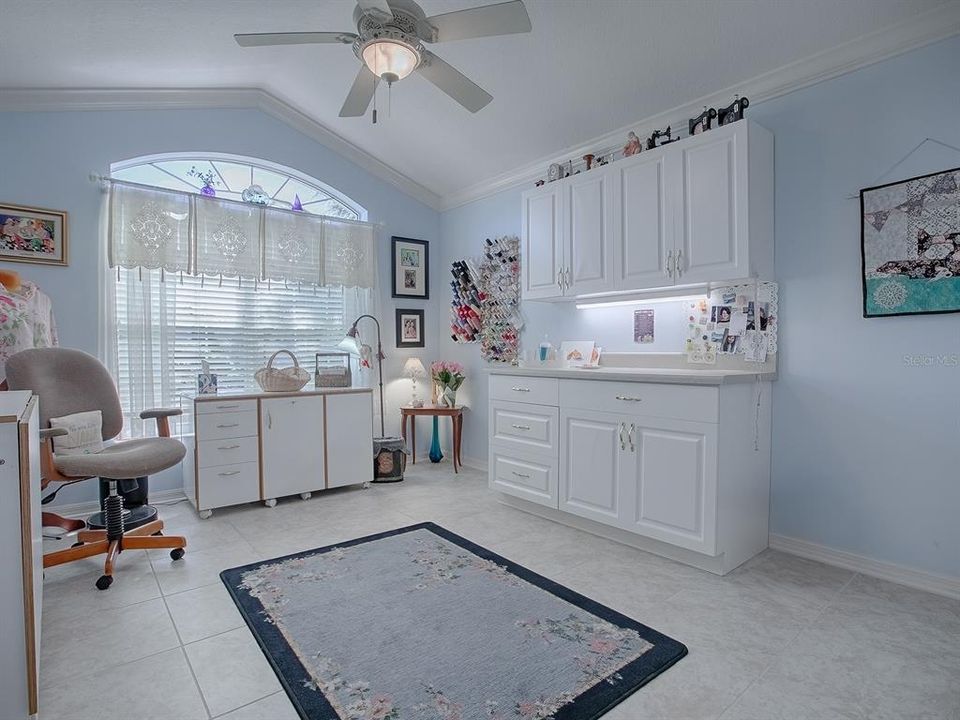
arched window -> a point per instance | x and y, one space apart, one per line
160 329
238 178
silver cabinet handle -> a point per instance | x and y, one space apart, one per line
520 389
228 447
623 443
521 427
567 281
668 269
633 447
229 425
519 474
228 407
679 262
228 473
629 398
269 421
560 280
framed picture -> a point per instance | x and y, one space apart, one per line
409 328
411 268
910 246
33 235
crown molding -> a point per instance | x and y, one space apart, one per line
66 99
923 29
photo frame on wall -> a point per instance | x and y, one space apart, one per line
411 268
409 328
33 235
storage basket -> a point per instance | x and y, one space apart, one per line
332 376
288 379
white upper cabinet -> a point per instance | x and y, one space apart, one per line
696 211
588 227
541 246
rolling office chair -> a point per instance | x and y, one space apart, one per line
70 381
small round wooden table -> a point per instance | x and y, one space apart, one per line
456 417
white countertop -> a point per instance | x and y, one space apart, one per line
676 376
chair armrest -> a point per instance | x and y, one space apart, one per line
160 413
48 433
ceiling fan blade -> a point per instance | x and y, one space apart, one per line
293 38
360 95
501 19
378 7
453 82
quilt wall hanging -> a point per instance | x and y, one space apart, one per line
486 301
910 246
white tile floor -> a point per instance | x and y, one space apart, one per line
779 639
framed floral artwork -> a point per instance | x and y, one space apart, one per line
411 268
33 235
410 329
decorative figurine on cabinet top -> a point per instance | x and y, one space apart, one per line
701 123
659 138
633 146
733 111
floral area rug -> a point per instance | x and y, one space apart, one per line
421 624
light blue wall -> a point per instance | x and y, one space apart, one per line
866 455
45 161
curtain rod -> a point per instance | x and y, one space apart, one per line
107 180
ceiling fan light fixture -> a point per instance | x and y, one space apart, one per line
390 59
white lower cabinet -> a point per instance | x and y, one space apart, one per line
349 429
649 476
291 438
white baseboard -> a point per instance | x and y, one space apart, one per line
919 579
82 509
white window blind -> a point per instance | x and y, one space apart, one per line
164 330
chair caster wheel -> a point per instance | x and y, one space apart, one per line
103 582
78 543
176 553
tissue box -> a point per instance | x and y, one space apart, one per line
207 384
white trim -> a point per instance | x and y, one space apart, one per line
911 577
56 99
920 30
88 507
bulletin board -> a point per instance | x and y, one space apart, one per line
739 321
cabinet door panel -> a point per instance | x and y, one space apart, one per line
591 465
349 439
291 430
588 227
541 251
673 494
646 239
713 233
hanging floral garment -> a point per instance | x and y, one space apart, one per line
26 321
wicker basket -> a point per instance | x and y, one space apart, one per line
289 379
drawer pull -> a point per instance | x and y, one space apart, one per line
520 389
521 427
523 475
228 447
629 398
229 425
228 407
229 473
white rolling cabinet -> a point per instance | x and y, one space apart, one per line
291 441
348 446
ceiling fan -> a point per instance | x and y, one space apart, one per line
389 42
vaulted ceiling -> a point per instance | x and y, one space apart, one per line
588 67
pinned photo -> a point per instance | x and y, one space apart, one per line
730 344
721 314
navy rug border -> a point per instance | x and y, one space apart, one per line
588 705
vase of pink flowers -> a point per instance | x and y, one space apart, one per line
448 377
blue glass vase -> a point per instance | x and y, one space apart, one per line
435 454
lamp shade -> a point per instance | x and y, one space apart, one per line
413 368
389 59
350 342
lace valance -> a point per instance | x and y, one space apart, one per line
178 232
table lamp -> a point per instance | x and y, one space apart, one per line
351 344
413 369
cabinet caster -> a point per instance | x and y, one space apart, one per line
366 485
306 495
272 502
176 553
104 581
205 514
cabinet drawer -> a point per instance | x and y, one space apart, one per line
680 402
523 476
224 405
217 426
229 451
537 390
525 427
228 485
